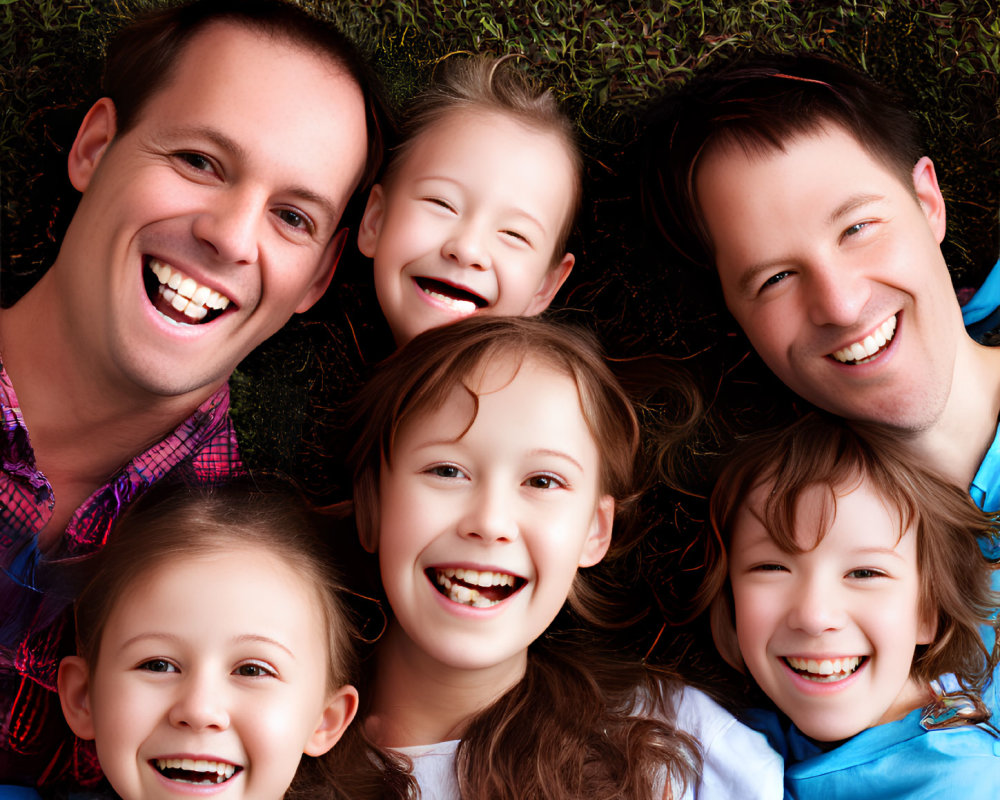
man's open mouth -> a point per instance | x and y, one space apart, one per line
195 771
827 670
460 300
179 297
470 587
870 347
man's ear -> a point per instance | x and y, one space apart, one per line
599 538
371 221
925 184
551 284
340 709
74 696
96 132
330 259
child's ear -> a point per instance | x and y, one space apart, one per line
599 538
74 696
371 222
337 715
96 132
927 629
925 184
551 283
724 631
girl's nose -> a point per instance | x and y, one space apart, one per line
199 705
491 516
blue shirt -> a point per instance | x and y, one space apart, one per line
897 760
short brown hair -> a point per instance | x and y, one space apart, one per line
827 451
142 56
495 85
759 103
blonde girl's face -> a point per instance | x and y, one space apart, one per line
830 634
212 679
482 530
469 222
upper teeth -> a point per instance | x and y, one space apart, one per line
223 772
466 595
827 666
184 293
477 578
870 345
461 306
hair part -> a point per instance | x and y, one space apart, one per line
142 57
824 451
491 85
759 104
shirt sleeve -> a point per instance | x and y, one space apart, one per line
738 762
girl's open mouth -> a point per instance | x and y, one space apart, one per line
826 670
470 587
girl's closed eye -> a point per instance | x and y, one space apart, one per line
440 202
866 572
517 236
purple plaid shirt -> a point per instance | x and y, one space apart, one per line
35 592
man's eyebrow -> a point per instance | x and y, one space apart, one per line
852 203
239 152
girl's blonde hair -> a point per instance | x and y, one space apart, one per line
482 83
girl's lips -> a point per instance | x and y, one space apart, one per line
195 775
823 682
450 296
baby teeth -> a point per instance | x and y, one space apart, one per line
461 306
870 345
215 771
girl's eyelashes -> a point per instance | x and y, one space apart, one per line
865 572
546 481
440 202
254 669
516 235
854 229
445 471
769 567
157 665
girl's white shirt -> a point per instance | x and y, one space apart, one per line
737 762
